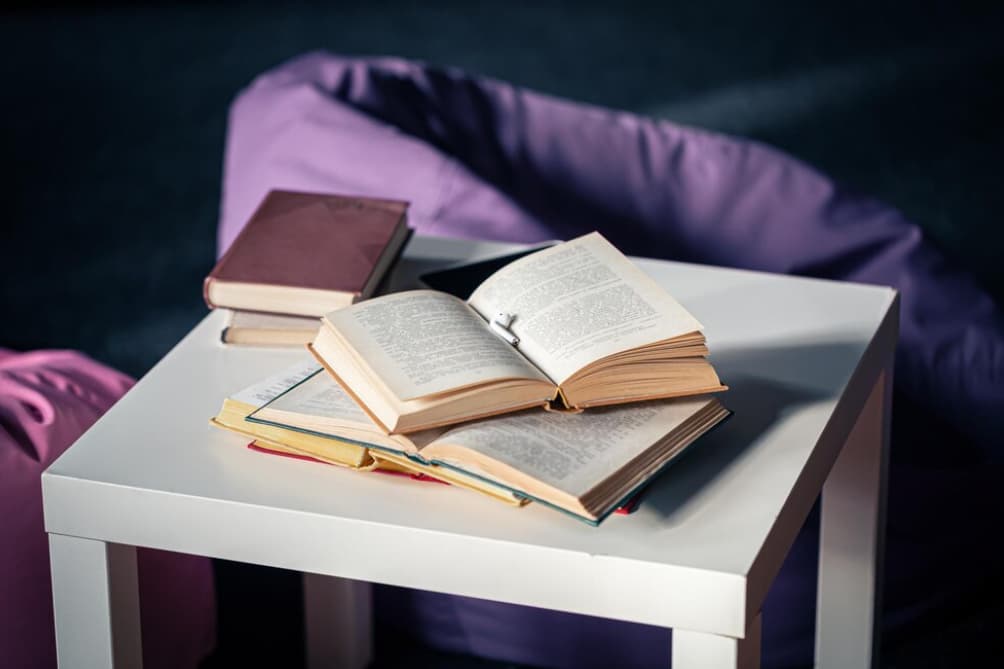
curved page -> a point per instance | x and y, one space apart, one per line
573 453
422 343
578 302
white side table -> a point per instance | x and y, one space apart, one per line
809 363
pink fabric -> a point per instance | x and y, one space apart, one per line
47 400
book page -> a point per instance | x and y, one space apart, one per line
275 385
320 395
578 302
322 406
572 452
422 342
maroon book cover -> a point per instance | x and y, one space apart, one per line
311 240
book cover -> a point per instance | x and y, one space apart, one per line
629 506
312 243
585 464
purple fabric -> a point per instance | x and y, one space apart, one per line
47 399
479 158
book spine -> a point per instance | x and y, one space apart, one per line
226 254
206 284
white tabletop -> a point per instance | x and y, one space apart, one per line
798 354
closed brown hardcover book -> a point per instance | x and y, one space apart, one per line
308 253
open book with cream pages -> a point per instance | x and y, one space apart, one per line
585 464
574 326
351 450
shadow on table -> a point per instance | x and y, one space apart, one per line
758 401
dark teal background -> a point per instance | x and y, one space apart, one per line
113 122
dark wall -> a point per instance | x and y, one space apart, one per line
113 122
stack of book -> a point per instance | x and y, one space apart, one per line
568 377
300 256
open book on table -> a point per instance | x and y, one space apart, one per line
584 464
576 325
237 407
355 431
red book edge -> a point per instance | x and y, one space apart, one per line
625 509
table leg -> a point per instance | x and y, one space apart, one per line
96 603
699 650
852 526
339 621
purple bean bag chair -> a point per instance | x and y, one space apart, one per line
47 400
479 158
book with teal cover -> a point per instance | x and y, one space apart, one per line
585 465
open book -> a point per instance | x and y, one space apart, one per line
576 325
584 464
241 404
350 435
